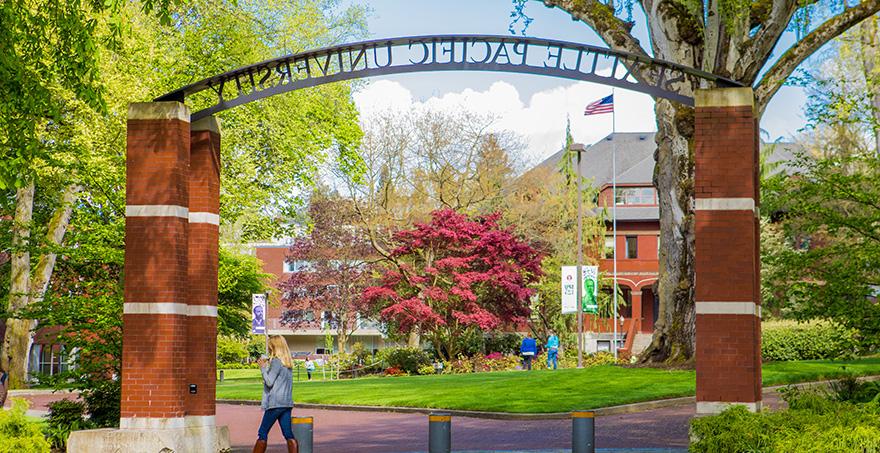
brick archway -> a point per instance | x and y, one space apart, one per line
170 312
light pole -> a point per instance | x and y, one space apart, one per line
579 148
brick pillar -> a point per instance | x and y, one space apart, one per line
728 305
170 312
204 221
154 313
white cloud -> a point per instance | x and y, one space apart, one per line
540 121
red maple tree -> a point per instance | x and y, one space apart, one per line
456 273
334 268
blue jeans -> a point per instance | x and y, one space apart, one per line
552 357
282 414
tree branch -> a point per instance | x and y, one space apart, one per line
791 59
758 49
616 33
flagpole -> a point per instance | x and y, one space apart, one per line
614 211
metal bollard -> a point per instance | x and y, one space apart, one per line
583 432
221 375
303 431
439 432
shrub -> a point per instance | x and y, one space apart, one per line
231 349
103 403
787 341
394 371
426 370
504 343
17 433
853 390
813 423
65 416
406 359
601 358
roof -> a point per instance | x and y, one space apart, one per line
635 155
635 165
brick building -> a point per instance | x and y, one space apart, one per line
638 233
638 228
311 339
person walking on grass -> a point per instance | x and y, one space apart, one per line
552 350
277 403
528 349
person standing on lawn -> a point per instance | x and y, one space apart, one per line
528 349
310 367
552 350
277 404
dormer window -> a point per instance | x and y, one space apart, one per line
635 196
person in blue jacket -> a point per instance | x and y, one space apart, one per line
552 350
528 349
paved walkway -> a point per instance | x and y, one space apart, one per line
658 430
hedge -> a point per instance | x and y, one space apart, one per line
786 341
814 423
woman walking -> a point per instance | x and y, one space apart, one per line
277 401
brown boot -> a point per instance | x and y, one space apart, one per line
292 446
260 446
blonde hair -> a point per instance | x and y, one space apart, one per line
278 349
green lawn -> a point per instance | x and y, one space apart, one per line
535 392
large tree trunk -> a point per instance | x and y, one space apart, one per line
674 331
26 289
13 355
868 33
414 340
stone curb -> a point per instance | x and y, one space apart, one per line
602 411
26 392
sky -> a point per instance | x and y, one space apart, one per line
534 106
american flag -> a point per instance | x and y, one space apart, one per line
604 105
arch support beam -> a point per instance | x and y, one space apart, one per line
728 296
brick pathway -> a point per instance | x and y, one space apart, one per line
383 432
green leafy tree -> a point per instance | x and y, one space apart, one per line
239 276
831 219
733 39
81 161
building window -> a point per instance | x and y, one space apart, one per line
635 196
49 359
294 266
632 247
609 246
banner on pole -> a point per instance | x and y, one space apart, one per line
569 290
590 303
258 313
590 291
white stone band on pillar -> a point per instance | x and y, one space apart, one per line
728 308
716 407
724 204
200 420
151 423
168 308
204 217
202 310
156 210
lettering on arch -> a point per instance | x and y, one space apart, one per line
442 53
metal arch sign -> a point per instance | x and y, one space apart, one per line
444 53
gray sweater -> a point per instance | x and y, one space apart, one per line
277 385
